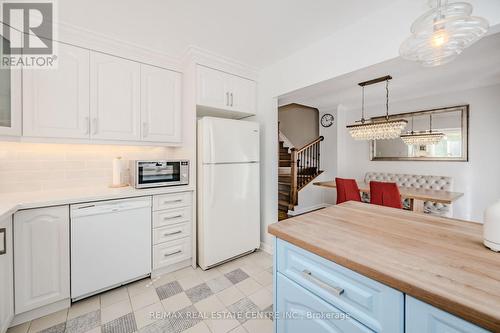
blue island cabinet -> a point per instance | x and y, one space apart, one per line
315 295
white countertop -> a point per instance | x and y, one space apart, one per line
12 202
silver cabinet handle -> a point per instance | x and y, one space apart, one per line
94 126
171 201
172 233
231 99
337 291
172 253
172 217
3 233
227 98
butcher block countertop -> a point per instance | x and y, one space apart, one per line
440 261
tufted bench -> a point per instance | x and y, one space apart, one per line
438 183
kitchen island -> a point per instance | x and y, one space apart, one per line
387 270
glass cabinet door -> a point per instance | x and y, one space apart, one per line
10 88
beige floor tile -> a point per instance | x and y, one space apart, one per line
230 296
185 272
259 326
95 330
140 286
163 279
48 321
239 329
262 298
176 302
263 262
189 282
222 325
209 305
251 269
200 328
144 299
208 274
114 296
270 288
84 306
21 328
264 278
228 267
249 286
115 310
144 317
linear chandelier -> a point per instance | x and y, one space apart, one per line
376 130
422 139
442 33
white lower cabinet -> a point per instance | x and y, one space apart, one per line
6 274
41 257
172 231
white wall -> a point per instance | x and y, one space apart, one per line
368 41
478 179
41 166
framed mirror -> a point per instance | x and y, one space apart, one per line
453 122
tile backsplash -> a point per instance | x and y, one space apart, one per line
39 166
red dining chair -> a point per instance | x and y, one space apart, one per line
385 194
347 190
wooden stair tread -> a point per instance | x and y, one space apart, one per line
283 192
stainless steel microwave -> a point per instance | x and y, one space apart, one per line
159 173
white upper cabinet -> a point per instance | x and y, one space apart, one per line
56 101
223 91
115 108
160 105
10 100
41 257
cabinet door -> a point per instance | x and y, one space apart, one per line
10 99
424 318
301 311
114 98
56 101
41 257
6 274
243 95
160 104
213 88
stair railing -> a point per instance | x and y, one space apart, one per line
305 162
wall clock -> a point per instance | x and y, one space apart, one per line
327 120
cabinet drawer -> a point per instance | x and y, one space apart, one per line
307 312
171 216
174 200
375 305
424 318
171 252
172 232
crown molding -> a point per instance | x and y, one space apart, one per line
200 56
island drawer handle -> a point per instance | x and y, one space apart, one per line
172 233
337 291
172 253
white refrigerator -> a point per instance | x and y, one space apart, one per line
228 189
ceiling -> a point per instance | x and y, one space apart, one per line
477 66
255 32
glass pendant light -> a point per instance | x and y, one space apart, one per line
442 33
422 139
376 130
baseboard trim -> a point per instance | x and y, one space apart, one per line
268 248
307 209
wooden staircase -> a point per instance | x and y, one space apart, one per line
297 168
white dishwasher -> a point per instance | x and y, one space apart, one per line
110 244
